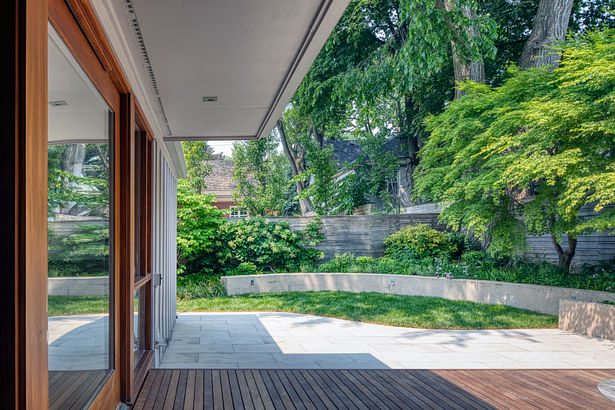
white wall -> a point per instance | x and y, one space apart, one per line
164 250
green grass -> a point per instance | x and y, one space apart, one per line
77 305
395 310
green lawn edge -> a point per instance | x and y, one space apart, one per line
378 308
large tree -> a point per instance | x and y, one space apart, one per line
550 27
547 128
262 176
196 155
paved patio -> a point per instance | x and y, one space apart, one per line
78 342
284 341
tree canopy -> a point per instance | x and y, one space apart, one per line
550 130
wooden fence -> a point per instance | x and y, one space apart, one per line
363 235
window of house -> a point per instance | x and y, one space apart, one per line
237 212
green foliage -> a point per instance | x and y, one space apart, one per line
269 246
323 186
552 129
263 178
69 193
419 241
198 286
83 252
478 265
198 223
376 169
245 268
348 263
196 155
432 30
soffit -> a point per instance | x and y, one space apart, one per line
251 55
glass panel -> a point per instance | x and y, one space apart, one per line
79 212
139 325
139 271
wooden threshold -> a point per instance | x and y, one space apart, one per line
371 389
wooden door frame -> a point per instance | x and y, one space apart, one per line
144 282
23 211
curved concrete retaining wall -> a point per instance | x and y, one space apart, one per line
79 286
591 319
543 299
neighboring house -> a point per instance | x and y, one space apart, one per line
346 152
220 183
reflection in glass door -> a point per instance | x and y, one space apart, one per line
80 131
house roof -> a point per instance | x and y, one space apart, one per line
348 151
220 181
345 151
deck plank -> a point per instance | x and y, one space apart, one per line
316 388
244 390
262 389
288 380
189 397
180 395
217 389
235 390
367 389
172 390
254 393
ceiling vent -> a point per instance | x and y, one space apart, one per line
59 103
210 99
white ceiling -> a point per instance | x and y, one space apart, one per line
250 54
86 117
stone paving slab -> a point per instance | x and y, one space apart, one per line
78 342
284 340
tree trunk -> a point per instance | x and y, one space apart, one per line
464 70
550 26
565 257
73 159
412 142
296 166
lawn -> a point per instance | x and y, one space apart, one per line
395 310
77 305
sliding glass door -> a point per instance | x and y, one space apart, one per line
80 235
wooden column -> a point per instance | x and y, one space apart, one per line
23 209
125 243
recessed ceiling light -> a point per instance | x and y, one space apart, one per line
59 103
210 99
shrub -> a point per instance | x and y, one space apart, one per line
341 263
348 263
244 268
419 241
269 246
198 286
198 222
83 252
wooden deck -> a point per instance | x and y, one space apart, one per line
373 389
73 389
